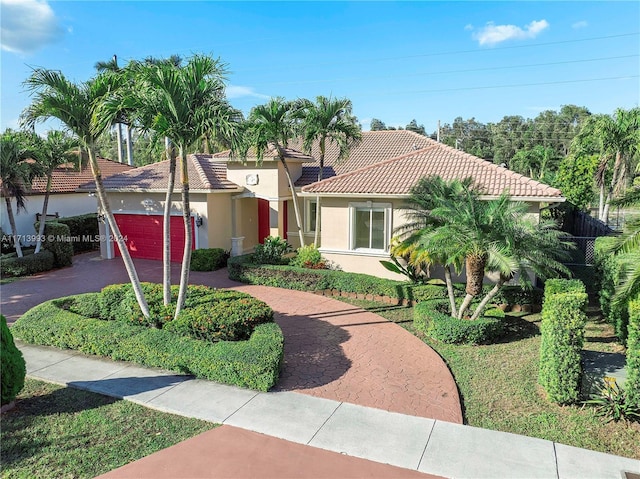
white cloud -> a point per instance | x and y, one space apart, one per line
468 27
28 25
580 24
492 34
237 91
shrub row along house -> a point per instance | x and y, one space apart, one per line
236 204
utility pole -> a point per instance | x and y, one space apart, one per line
438 133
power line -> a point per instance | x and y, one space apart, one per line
446 72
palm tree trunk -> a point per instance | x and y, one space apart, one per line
103 201
452 296
601 203
12 222
188 233
129 146
166 226
490 295
316 238
43 216
119 140
296 209
465 305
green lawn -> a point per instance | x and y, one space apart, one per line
58 432
498 385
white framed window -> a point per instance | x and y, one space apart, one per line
370 226
310 215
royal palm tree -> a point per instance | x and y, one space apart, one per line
273 125
456 225
54 150
617 140
183 103
76 106
328 119
16 175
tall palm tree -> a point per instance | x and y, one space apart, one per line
183 103
16 175
328 119
496 236
56 149
617 140
629 243
76 106
274 125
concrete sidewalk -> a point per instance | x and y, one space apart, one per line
409 442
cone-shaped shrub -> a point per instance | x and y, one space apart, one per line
13 366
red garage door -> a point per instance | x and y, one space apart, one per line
143 234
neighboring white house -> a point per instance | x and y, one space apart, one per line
64 199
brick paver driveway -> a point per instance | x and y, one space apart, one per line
332 350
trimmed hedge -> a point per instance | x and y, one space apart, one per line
209 259
28 264
12 363
632 386
608 268
562 328
254 363
82 227
61 246
451 330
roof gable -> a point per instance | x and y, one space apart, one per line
205 173
396 176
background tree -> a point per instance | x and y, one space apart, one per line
575 178
329 119
17 175
273 125
539 163
54 150
76 106
413 126
377 125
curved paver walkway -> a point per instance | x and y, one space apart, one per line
332 350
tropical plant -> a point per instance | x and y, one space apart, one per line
612 404
539 163
16 174
449 224
329 119
182 104
272 251
271 126
616 139
76 105
54 150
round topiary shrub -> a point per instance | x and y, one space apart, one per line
13 365
462 331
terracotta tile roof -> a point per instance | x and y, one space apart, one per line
396 176
66 180
376 146
205 173
289 153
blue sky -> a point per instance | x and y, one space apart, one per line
395 60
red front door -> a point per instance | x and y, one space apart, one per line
264 228
143 235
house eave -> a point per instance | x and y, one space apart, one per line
528 199
163 190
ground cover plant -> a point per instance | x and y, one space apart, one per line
56 432
498 383
223 336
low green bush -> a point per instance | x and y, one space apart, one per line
12 364
425 292
554 286
253 363
272 251
309 257
632 385
87 304
562 328
84 230
28 264
462 331
608 271
222 320
209 259
58 241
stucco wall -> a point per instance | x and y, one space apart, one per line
68 204
217 222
